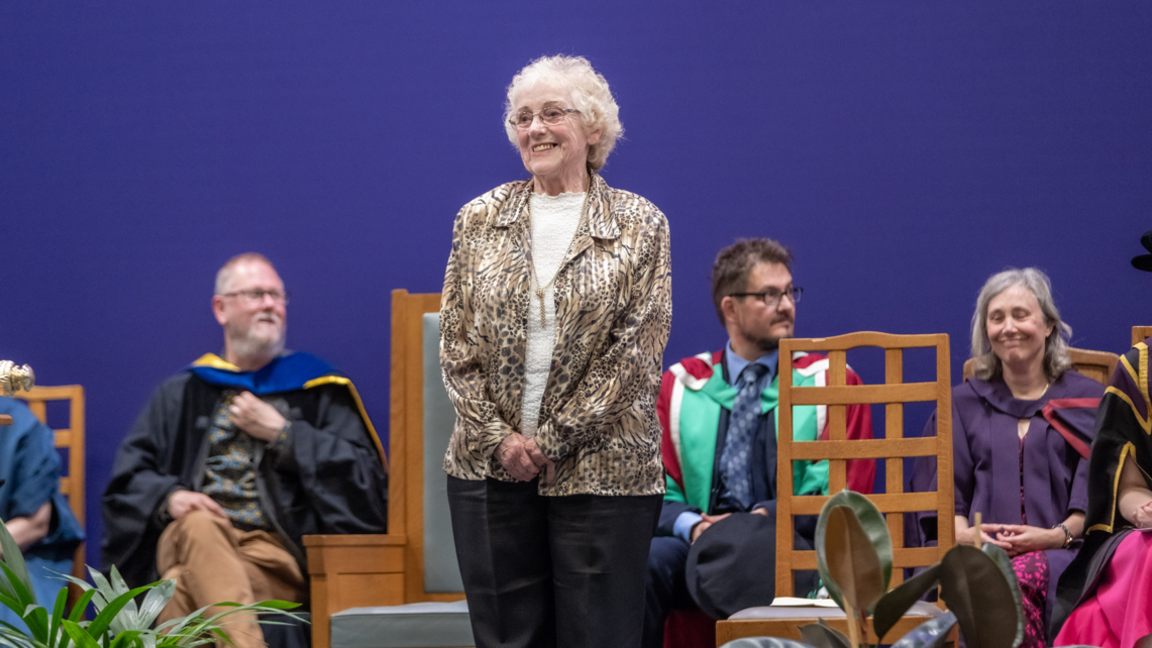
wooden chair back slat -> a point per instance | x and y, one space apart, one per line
892 449
1097 365
70 438
1140 333
893 430
406 499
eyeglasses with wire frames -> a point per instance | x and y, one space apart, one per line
550 115
772 296
255 296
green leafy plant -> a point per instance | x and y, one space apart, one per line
854 558
119 621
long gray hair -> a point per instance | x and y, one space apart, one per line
1056 357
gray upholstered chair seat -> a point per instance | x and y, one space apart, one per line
794 612
416 625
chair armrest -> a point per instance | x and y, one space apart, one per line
350 571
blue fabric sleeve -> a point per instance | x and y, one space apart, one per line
683 527
30 465
34 469
669 512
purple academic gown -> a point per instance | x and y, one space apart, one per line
986 458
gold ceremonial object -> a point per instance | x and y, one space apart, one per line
14 378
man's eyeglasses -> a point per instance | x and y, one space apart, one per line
550 115
256 296
772 296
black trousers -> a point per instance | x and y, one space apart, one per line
545 572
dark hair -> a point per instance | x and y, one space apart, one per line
735 262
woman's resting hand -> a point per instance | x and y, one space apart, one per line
1142 515
967 535
1021 539
523 459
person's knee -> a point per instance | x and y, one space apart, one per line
200 518
202 524
667 550
667 557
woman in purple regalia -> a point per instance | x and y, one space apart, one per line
1021 431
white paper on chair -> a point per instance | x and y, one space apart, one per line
792 601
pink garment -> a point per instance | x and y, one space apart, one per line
1120 612
1032 574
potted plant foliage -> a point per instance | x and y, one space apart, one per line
854 557
119 622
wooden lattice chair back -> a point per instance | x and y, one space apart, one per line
837 395
1097 365
1140 333
892 449
70 438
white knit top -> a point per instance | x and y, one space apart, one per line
554 223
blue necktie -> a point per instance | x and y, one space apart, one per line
737 454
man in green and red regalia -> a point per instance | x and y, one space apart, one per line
237 457
718 411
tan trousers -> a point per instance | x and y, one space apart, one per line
213 562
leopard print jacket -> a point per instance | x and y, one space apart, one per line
613 313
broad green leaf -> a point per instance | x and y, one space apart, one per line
154 602
764 642
79 635
822 636
11 636
104 619
83 584
930 634
57 616
11 602
21 592
125 620
871 520
14 560
274 604
980 596
81 605
1005 564
118 584
37 619
894 604
104 591
852 562
125 639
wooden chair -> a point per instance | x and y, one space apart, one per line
72 472
415 562
1097 365
1140 333
837 395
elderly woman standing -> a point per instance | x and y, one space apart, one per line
555 312
1021 431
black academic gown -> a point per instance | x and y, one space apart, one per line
326 478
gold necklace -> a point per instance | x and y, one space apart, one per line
538 289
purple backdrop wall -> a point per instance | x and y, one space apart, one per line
904 150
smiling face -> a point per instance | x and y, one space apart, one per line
254 332
753 327
1016 328
556 155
